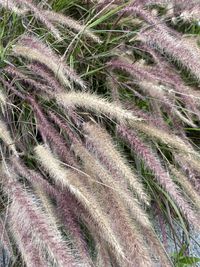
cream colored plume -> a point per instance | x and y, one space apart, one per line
104 144
71 181
96 104
35 50
72 24
6 137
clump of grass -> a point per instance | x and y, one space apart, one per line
97 128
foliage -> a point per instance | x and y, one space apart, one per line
99 131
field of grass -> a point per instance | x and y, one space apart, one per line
100 133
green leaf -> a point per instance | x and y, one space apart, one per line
187 261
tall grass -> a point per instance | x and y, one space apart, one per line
99 129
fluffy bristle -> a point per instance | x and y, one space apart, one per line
99 132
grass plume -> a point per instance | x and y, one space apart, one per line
99 130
